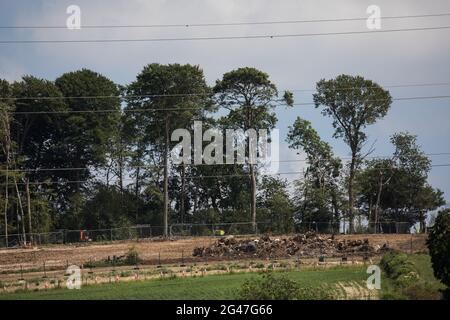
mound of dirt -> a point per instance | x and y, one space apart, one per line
308 244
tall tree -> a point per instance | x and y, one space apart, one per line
353 103
438 243
396 188
371 183
86 135
37 130
250 96
318 194
5 132
275 208
410 195
172 96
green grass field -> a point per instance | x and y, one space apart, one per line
208 287
343 281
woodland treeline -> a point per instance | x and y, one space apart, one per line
83 152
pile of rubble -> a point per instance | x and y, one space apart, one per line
309 244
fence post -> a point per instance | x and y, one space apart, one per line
182 259
159 260
21 272
45 272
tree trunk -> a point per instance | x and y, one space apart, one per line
30 231
182 209
377 204
6 199
253 195
107 177
7 147
22 215
166 181
195 205
121 162
136 193
351 215
422 222
336 222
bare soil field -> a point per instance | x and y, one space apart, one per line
157 251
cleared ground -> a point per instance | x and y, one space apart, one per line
153 252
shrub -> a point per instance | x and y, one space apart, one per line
269 287
398 267
314 293
421 292
404 276
125 274
272 287
132 256
439 246
221 267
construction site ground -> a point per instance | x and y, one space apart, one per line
159 252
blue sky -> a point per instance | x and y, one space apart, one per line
293 63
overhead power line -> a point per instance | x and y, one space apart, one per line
188 177
262 36
224 24
37 170
411 85
191 94
193 108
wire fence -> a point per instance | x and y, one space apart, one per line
199 229
387 227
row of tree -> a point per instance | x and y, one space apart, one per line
82 152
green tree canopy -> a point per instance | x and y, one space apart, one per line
250 96
353 103
439 245
172 96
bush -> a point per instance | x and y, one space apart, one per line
403 274
399 268
132 257
125 274
421 292
271 287
439 246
